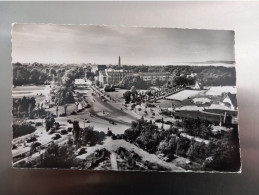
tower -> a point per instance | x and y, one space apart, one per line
119 61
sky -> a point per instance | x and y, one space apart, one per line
49 43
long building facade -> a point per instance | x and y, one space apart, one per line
113 76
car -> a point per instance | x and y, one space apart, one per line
38 124
87 121
69 121
81 151
35 145
51 131
62 115
63 132
73 113
32 139
112 122
56 136
158 120
69 129
114 136
168 123
161 156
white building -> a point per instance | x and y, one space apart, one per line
83 82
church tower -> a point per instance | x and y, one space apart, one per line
119 61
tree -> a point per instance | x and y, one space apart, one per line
182 146
76 132
48 124
65 109
133 90
22 128
127 96
224 157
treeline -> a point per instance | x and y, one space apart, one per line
21 128
39 74
209 75
23 75
23 106
219 154
85 136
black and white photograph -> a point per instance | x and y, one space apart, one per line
121 98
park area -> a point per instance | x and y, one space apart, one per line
27 90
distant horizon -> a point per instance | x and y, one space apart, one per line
204 63
49 43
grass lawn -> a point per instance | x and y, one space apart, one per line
117 95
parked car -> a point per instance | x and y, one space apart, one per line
51 131
63 132
112 122
38 124
114 136
69 129
62 115
56 136
32 139
81 151
69 121
73 113
35 145
168 123
158 120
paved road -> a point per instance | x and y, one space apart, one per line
115 114
114 164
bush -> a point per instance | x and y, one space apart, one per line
109 133
20 129
38 124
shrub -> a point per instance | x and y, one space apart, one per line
24 128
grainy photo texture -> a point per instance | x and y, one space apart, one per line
124 98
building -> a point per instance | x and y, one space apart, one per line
102 78
230 100
198 86
112 76
153 76
96 67
83 82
